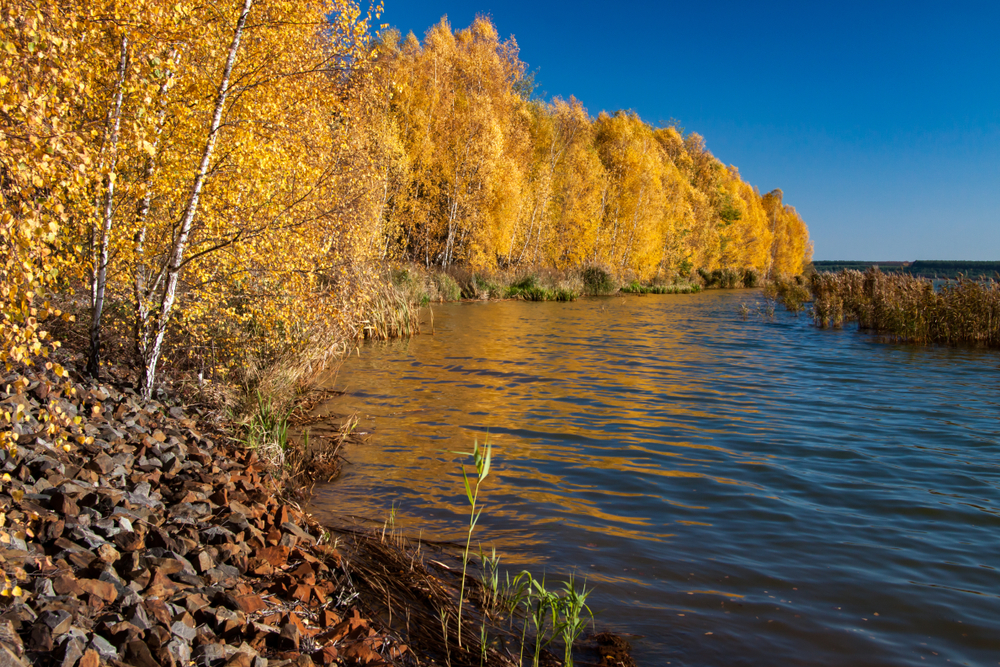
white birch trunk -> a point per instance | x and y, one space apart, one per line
176 260
103 235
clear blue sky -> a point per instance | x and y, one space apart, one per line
880 121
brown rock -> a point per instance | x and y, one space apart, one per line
362 652
139 655
158 609
91 658
274 556
66 585
328 655
290 637
305 573
107 554
302 593
195 602
204 561
329 618
41 638
130 541
241 659
53 530
102 463
249 604
64 504
104 590
161 586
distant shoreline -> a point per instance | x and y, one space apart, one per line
921 268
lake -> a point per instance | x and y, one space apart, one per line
737 492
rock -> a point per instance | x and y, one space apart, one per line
102 647
139 655
249 604
10 638
72 652
183 631
240 660
58 621
290 638
102 589
107 553
91 658
10 659
207 654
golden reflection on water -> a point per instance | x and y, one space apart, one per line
650 446
602 406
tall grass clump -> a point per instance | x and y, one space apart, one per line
635 287
530 288
389 314
908 308
793 293
597 281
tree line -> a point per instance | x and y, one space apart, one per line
227 179
478 172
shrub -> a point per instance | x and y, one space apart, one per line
597 281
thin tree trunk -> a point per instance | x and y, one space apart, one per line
142 289
100 276
153 351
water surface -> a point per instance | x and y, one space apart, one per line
739 493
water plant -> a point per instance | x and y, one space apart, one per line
481 462
907 308
792 294
572 605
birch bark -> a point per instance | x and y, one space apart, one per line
153 350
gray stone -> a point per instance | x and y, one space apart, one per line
206 654
180 651
88 537
72 652
184 631
103 647
217 535
58 620
44 588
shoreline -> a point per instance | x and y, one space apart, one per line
157 542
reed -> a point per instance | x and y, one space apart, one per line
635 287
907 308
729 278
481 462
793 293
389 314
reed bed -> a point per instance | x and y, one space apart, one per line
390 314
908 308
635 287
729 278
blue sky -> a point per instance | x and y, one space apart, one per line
880 121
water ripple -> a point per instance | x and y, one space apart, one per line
740 493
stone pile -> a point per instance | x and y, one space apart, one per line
150 544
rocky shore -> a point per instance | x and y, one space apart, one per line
156 543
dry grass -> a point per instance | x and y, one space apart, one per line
390 314
906 308
415 593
